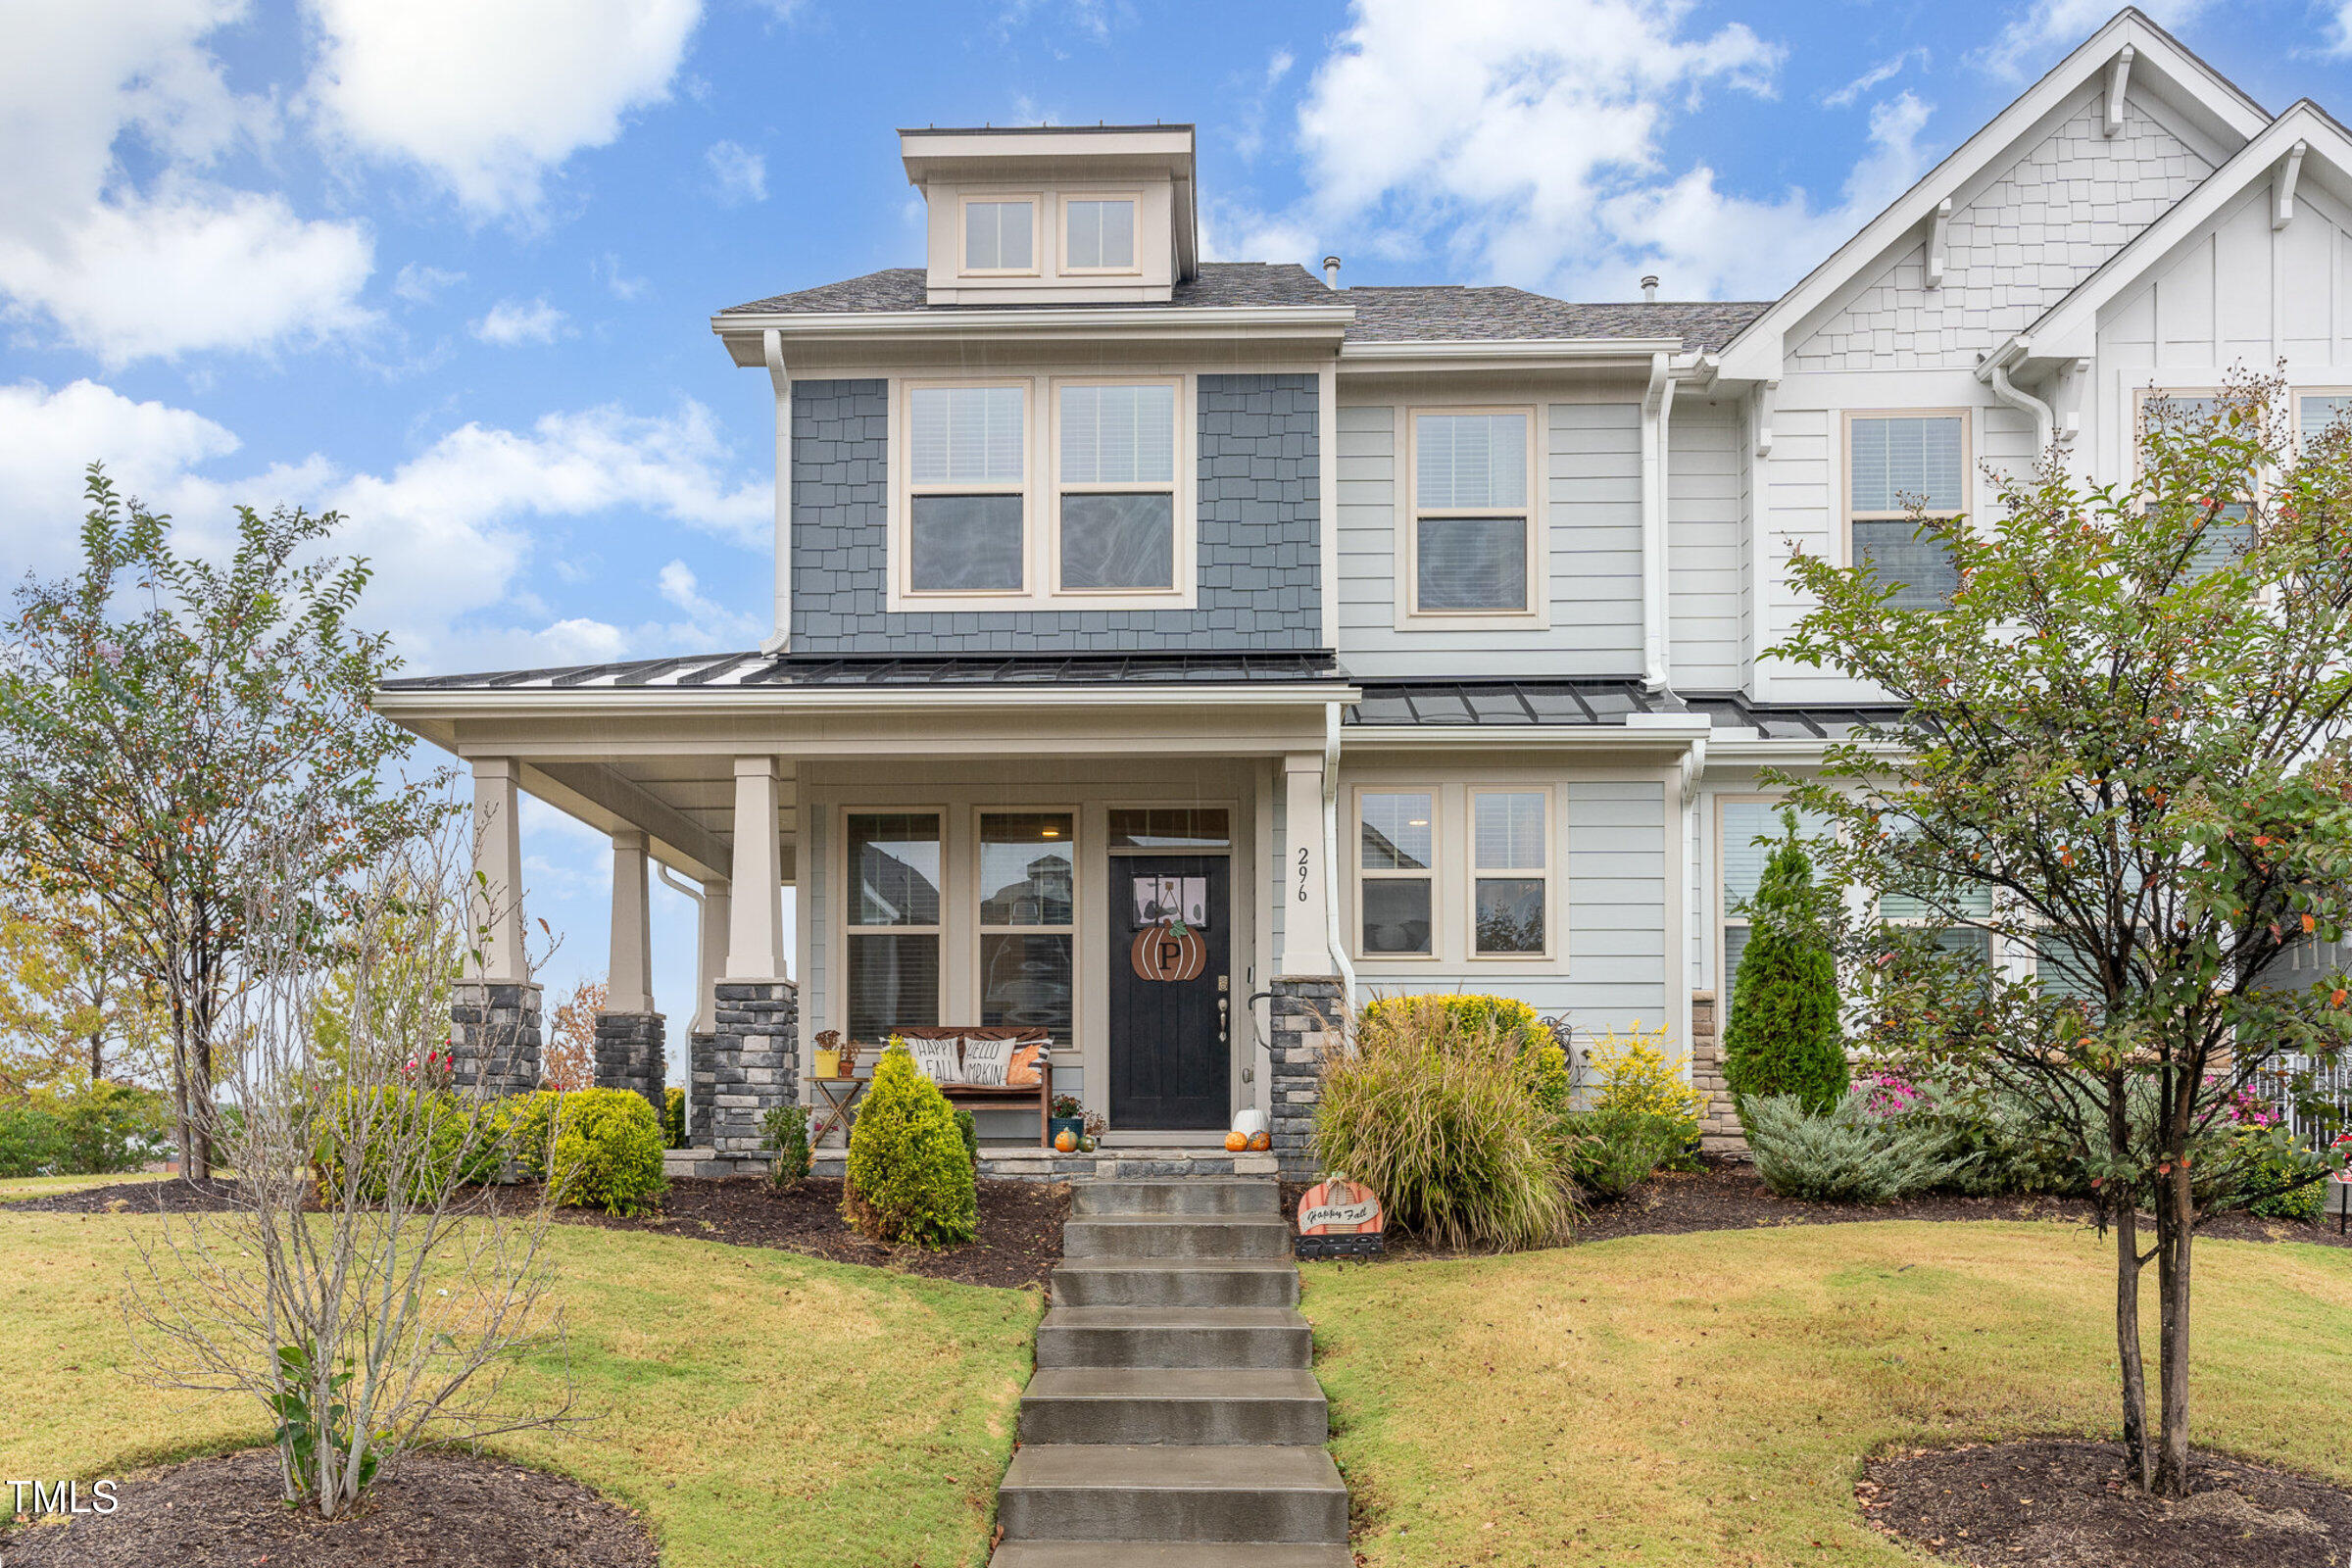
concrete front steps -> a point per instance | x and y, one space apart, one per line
1174 1420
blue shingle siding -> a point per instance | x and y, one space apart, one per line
1259 508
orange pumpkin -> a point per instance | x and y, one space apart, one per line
1262 1142
1066 1141
1168 952
1236 1141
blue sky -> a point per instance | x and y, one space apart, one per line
448 265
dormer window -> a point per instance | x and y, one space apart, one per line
999 234
1098 234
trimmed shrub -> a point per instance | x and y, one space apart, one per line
910 1177
30 1140
1616 1151
604 1151
673 1116
1471 1013
1846 1154
97 1129
427 1134
969 1131
1440 1109
1784 1036
786 1130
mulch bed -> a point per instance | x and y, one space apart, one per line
445 1509
1019 1240
2050 1503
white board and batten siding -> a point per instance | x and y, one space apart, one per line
1613 969
2237 294
1589 475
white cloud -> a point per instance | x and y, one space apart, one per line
2338 30
2040 32
737 173
605 269
489 97
712 621
511 323
1883 72
420 284
452 532
186 264
1522 141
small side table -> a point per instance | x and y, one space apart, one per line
838 1096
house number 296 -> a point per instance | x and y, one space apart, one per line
1303 853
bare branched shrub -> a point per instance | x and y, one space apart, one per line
364 1284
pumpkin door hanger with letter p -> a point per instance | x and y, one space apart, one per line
1169 912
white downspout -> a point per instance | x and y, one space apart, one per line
772 343
699 1024
2025 402
1331 858
1657 406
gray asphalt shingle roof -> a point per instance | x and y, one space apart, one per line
1440 313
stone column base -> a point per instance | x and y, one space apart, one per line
629 1053
1309 1015
702 1081
1719 1131
754 1062
496 1041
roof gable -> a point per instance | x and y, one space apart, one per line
2205 102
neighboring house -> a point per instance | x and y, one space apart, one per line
1406 638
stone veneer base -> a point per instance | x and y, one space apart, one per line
1718 1130
754 1063
1308 1015
630 1055
496 1040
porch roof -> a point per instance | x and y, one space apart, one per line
1506 703
701 672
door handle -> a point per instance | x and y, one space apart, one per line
1224 1014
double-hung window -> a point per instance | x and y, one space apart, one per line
1396 886
1509 853
1740 823
2178 413
1471 536
1098 234
1028 876
999 234
966 489
2316 412
893 923
1895 462
1115 487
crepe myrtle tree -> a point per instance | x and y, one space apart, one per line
159 710
2123 748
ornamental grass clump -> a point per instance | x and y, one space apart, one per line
1440 1109
910 1178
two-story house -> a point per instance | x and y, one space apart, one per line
1400 638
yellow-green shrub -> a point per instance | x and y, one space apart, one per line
908 1178
1633 1072
428 1135
1470 1013
594 1148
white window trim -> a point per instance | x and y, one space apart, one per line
847 928
1843 476
1536 614
1181 488
1062 229
2296 395
1473 873
1433 876
981 930
1725 917
1037 250
900 551
1041 492
2142 396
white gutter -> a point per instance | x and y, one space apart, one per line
772 344
675 702
1995 372
1002 320
1657 405
1562 348
1333 934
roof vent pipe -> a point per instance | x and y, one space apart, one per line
1649 288
1331 272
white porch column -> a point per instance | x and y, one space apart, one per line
628 986
498 858
1305 915
755 934
710 954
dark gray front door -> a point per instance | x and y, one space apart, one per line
1169 1056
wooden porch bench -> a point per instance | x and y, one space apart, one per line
1005 1094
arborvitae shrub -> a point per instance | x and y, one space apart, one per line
910 1178
1784 1036
605 1149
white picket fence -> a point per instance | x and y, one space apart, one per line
2331 1082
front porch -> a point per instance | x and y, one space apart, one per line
993 845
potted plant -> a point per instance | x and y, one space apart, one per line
1096 1124
1068 1115
828 1055
849 1051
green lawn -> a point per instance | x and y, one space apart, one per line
758 1407
1710 1399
